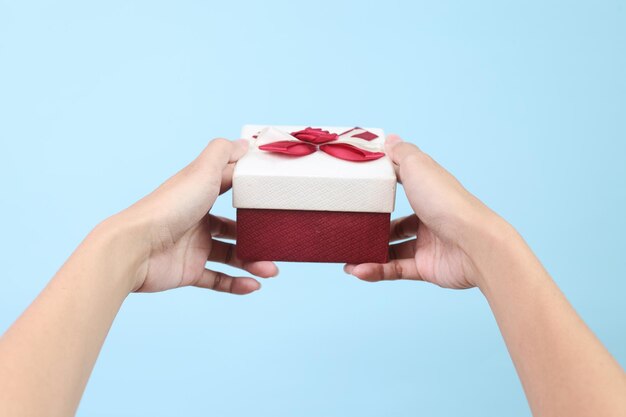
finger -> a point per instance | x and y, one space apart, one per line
226 253
220 152
392 139
222 228
193 190
404 250
227 178
392 270
209 166
417 170
390 142
403 228
399 151
219 281
434 193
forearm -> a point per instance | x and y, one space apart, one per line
161 242
563 367
47 356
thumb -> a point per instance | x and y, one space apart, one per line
434 194
208 166
192 191
207 173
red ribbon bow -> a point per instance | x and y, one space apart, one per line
311 139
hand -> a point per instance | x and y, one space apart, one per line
447 232
173 231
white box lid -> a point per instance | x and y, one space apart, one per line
317 181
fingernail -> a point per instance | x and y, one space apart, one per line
277 272
392 139
242 142
348 269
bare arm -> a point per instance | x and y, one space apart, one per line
164 240
564 368
47 355
161 242
457 242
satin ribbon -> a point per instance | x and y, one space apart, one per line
352 145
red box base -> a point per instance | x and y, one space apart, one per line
312 236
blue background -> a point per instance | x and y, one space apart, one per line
525 102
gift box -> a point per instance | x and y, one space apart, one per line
313 194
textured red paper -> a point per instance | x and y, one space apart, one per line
312 236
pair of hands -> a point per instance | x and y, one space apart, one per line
164 241
177 233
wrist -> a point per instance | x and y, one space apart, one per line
499 254
125 247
